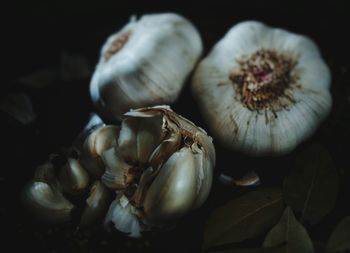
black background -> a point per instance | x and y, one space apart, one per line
36 32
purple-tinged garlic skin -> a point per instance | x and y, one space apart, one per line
263 90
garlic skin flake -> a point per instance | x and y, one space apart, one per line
145 63
263 90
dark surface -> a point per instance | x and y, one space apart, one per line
38 31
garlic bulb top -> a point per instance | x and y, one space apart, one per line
263 90
145 63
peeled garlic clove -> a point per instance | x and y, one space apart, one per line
73 177
96 204
145 63
263 90
98 141
123 216
173 191
46 203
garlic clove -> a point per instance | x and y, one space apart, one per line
98 141
204 174
96 204
173 191
263 90
73 177
149 135
46 203
45 173
146 63
127 141
116 173
164 151
123 217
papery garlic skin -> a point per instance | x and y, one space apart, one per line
145 63
273 126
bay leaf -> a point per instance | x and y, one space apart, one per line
19 106
244 217
278 249
312 185
320 247
43 78
340 237
290 231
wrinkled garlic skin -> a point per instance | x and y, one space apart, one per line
263 90
145 63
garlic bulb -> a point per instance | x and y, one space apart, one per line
161 168
158 164
145 63
263 90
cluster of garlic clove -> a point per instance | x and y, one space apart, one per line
145 63
262 90
158 165
49 196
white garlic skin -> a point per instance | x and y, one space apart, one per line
150 68
265 132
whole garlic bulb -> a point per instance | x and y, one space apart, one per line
263 90
161 167
145 63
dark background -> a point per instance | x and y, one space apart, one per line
37 32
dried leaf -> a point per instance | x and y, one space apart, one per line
245 217
278 249
311 187
43 78
289 230
340 238
18 106
320 247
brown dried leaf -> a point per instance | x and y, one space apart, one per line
311 187
245 217
340 238
290 231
